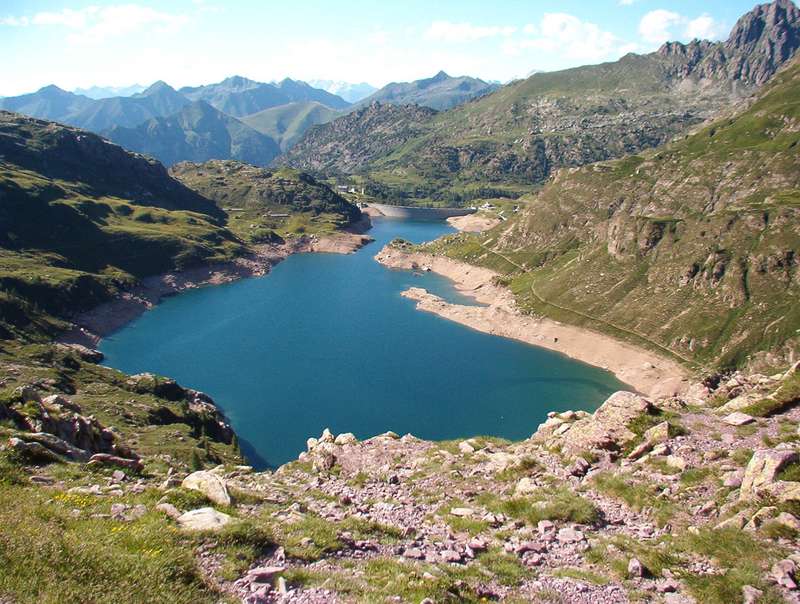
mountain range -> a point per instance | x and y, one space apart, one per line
438 92
521 133
198 132
239 96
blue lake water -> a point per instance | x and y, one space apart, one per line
326 340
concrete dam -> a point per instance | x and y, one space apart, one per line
417 213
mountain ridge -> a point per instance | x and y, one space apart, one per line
198 132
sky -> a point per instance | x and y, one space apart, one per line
189 42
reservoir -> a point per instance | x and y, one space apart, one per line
326 340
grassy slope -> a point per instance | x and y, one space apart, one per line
287 123
252 197
693 247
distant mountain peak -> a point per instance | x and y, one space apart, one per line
52 89
440 77
239 82
157 87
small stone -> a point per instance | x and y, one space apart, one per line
580 467
674 461
733 479
662 449
750 594
118 476
667 586
451 556
635 569
264 574
530 546
465 447
737 418
570 535
414 553
462 512
477 544
525 486
168 509
546 526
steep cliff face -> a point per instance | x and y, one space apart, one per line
694 246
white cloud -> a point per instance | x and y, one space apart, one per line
626 2
659 26
94 24
655 27
15 21
703 27
570 38
446 31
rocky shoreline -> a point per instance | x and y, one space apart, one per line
91 326
645 371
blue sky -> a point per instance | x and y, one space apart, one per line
189 42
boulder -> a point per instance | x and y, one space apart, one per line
347 438
203 519
737 418
525 486
763 469
104 459
784 573
57 445
33 451
210 485
660 433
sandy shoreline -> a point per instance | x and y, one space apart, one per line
93 325
643 370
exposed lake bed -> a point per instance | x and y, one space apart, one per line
327 340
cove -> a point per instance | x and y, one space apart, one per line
326 340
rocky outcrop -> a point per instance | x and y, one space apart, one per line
605 430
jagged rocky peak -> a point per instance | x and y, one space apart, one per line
762 40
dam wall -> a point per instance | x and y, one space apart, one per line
417 213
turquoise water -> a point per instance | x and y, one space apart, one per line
326 340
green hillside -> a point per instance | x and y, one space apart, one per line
285 124
81 218
693 246
268 205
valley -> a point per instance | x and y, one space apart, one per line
449 339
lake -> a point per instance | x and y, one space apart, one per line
326 340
